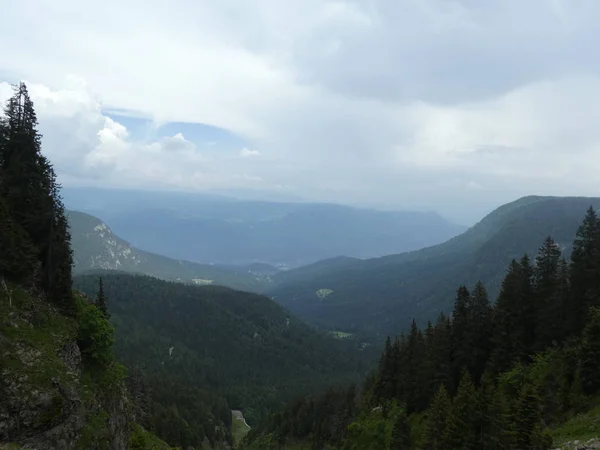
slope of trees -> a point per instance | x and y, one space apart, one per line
487 377
377 295
205 349
34 232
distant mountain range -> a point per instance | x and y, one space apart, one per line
381 295
220 230
96 247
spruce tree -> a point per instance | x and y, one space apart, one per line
400 438
460 324
461 429
585 272
514 318
528 421
416 389
29 189
479 332
101 301
549 290
18 256
590 354
437 421
439 356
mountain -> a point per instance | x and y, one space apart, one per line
522 373
380 294
219 230
198 340
95 246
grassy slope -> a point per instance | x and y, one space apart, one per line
582 427
239 429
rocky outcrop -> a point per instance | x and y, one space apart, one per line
581 445
46 402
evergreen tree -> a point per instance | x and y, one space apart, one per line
585 272
29 189
528 421
479 332
416 387
400 439
461 429
514 318
590 354
101 301
437 421
439 356
550 287
460 325
500 433
17 258
385 387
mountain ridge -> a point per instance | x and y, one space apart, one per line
375 293
95 247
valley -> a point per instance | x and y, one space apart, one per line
487 340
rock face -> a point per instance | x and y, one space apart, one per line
580 445
46 402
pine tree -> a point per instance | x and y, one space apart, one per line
528 420
585 272
101 301
500 433
437 421
17 258
479 331
590 354
439 356
139 392
460 325
549 287
416 389
29 189
385 385
400 439
461 429
514 318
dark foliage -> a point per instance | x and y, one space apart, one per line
32 215
207 348
491 377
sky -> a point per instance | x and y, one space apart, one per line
455 106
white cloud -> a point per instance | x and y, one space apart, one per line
246 152
347 100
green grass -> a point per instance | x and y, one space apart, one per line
341 334
239 430
144 440
582 427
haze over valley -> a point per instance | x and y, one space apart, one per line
300 225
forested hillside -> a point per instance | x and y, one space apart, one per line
377 295
60 385
205 349
222 230
96 247
483 376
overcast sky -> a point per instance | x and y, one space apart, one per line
454 106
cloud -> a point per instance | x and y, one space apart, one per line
402 103
246 152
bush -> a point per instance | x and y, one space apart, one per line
95 336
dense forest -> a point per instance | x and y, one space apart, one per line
202 348
484 377
377 295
